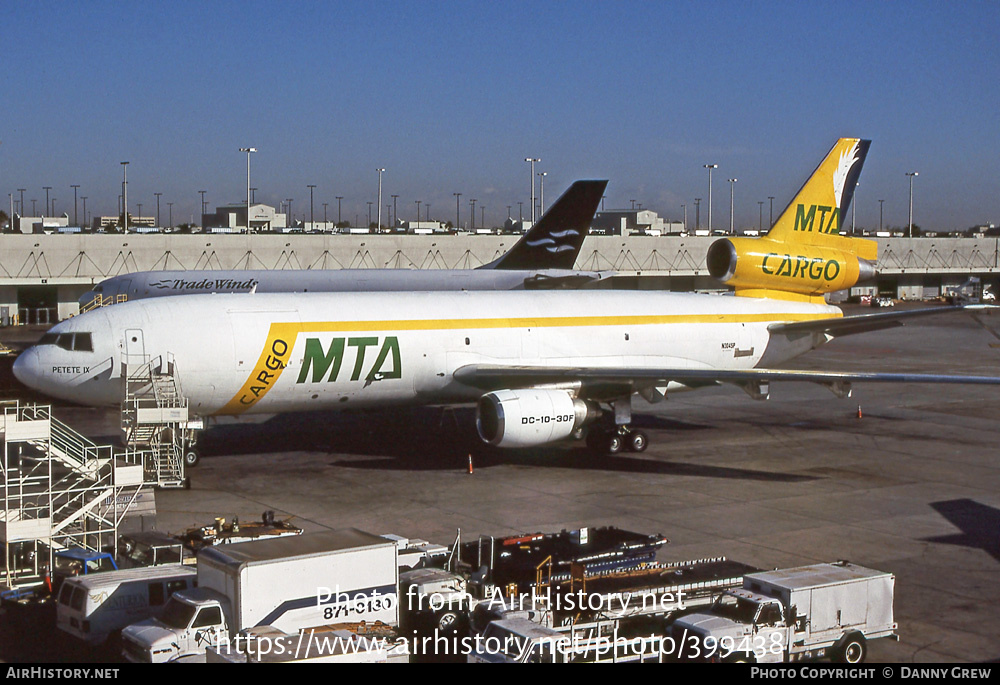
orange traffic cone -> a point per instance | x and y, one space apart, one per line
859 411
470 464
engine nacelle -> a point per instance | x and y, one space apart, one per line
531 416
765 265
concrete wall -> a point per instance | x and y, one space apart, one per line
75 262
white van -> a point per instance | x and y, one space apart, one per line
94 607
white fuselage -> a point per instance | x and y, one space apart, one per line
272 353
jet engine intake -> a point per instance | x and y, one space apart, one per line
531 416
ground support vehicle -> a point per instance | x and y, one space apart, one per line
289 583
96 607
810 612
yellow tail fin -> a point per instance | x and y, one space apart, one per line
816 213
804 256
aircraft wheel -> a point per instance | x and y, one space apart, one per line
615 444
637 441
191 458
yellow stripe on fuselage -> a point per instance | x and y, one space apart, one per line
281 337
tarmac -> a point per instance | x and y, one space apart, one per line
902 478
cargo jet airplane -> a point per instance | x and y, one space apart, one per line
542 259
539 366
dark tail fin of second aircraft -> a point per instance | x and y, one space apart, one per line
555 240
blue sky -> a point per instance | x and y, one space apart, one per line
452 96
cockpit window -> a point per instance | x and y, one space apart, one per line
80 342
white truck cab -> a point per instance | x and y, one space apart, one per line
191 622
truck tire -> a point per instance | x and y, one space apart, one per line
449 622
852 649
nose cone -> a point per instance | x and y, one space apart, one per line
26 368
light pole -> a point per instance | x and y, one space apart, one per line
84 198
710 167
338 198
482 215
47 189
473 203
771 215
697 213
248 150
458 211
395 214
732 219
312 214
157 208
418 203
541 189
202 193
854 205
125 195
21 190
684 209
378 229
532 160
911 174
76 216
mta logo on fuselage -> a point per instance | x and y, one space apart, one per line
326 363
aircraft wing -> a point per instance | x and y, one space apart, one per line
864 323
611 380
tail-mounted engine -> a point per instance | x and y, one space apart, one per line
760 267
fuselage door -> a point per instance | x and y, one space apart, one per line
134 348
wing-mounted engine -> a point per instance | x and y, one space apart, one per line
766 268
531 416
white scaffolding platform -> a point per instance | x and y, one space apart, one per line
60 490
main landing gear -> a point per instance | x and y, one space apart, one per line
617 437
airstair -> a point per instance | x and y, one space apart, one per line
155 418
60 490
